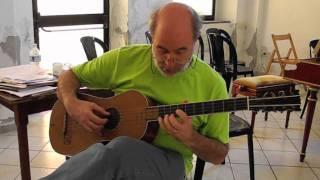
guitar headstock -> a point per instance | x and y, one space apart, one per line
275 103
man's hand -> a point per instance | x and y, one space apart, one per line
90 115
207 149
179 128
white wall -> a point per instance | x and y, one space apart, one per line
16 32
16 35
23 27
300 18
139 12
118 23
226 10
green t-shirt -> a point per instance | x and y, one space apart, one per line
132 68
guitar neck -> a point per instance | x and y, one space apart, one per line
200 108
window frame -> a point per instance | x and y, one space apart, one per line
212 16
70 20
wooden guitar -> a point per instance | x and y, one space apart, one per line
132 116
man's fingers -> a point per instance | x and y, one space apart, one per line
174 122
94 127
167 123
101 112
97 120
181 114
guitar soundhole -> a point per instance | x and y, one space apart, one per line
113 118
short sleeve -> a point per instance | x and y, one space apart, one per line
99 72
216 125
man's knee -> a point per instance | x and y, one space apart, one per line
122 143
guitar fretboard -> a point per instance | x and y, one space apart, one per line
228 105
201 108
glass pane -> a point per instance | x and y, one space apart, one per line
203 8
65 46
60 7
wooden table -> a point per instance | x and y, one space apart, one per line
307 73
22 107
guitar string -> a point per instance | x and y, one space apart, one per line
154 109
140 115
241 104
126 113
235 102
231 101
205 109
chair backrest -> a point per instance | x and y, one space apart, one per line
217 38
312 45
148 37
284 37
200 43
88 43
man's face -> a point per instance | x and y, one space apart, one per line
172 48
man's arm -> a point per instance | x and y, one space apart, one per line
210 150
82 111
68 85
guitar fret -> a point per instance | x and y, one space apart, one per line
222 105
202 108
228 105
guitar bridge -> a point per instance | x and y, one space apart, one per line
67 135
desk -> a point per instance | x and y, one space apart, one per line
307 73
22 107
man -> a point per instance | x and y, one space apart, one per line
166 72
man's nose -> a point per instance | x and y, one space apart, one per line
169 61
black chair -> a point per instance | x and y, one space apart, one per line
148 37
217 60
88 43
312 45
238 127
227 67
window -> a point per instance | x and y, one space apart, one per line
205 8
59 25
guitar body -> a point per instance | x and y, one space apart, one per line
131 115
68 137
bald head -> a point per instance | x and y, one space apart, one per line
175 17
174 28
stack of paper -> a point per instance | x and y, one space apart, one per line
24 80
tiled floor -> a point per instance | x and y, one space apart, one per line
276 151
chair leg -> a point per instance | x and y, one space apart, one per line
253 119
199 169
270 61
251 155
287 119
305 104
265 116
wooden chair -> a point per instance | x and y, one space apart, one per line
276 56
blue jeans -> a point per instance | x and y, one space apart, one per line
123 158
